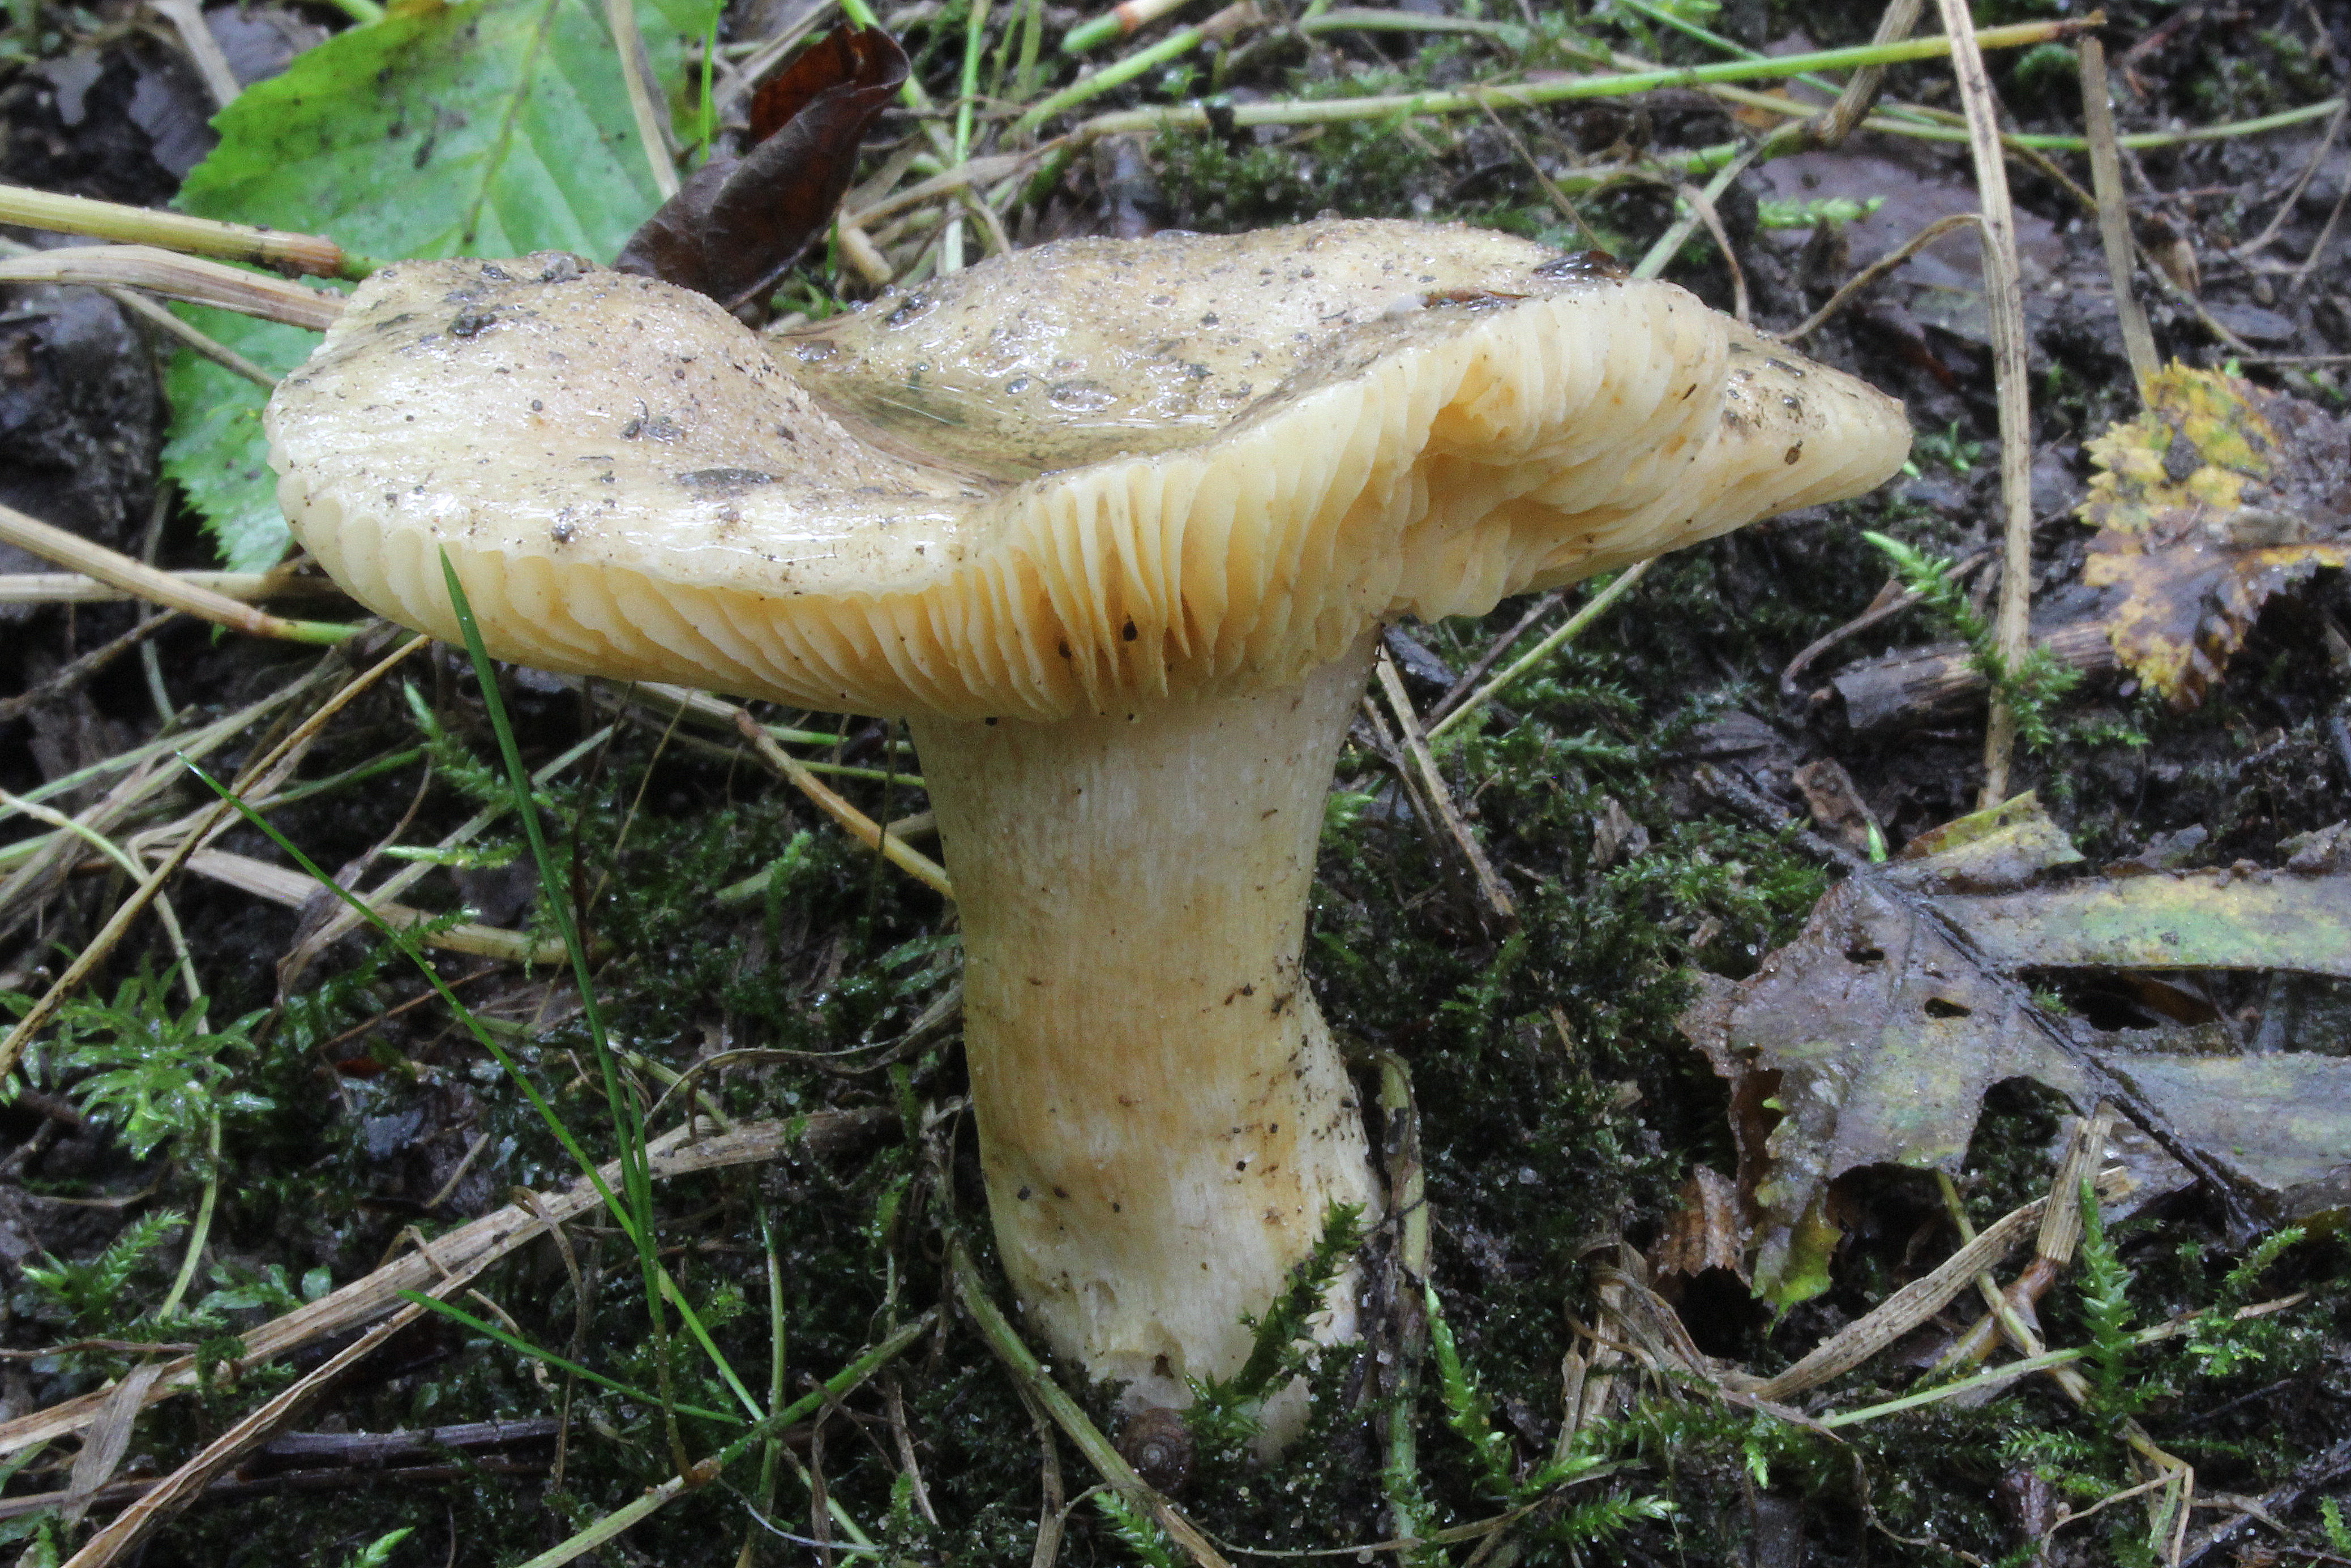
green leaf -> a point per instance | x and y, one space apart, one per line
216 452
378 1553
490 129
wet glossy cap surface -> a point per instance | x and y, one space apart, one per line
1083 476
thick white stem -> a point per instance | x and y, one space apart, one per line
1163 1118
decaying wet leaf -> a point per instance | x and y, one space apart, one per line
2218 496
740 223
1704 1231
1872 1039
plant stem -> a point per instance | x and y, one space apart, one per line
2004 304
1592 611
168 588
273 248
201 1230
1087 1437
841 1384
1531 95
1384 19
1119 72
1400 1471
2114 216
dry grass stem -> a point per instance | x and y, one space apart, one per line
1702 204
2004 302
294 889
140 580
200 341
278 761
342 919
1913 1304
1491 886
479 1241
187 19
272 248
962 177
178 276
861 827
654 135
245 586
2114 213
1830 129
33 864
1861 281
184 1485
2285 209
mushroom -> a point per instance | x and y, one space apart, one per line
1113 526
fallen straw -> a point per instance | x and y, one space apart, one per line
168 588
1592 612
2004 304
1534 94
313 254
861 827
178 276
78 588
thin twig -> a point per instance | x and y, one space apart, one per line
861 827
38 1017
2114 216
1574 624
1869 275
2004 302
177 276
167 588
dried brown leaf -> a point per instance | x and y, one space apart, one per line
1705 1232
738 224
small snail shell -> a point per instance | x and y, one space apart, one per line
1159 1445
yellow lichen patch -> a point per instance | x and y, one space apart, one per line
2218 496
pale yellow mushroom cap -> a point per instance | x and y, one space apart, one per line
1092 473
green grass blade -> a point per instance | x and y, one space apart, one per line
415 955
627 1123
561 1364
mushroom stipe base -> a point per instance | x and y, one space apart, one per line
1163 1119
